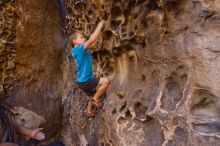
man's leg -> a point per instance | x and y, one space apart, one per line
102 86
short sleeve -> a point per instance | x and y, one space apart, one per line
78 51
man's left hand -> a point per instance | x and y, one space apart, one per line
37 134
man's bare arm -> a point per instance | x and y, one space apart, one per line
24 131
94 35
36 134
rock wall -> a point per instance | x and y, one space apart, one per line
162 57
163 60
40 46
32 50
7 42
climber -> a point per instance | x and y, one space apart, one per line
9 128
94 87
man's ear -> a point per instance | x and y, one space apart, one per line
73 41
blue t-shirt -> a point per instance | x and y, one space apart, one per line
83 61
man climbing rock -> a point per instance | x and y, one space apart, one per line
94 87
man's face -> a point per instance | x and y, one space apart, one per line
80 39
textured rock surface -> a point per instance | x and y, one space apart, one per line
162 57
32 47
40 46
163 60
7 42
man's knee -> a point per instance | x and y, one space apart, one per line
105 81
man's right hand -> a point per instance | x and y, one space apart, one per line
103 23
95 34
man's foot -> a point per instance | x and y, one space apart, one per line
90 114
97 104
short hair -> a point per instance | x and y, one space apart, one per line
73 36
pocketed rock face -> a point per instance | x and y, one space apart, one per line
32 47
7 42
163 60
